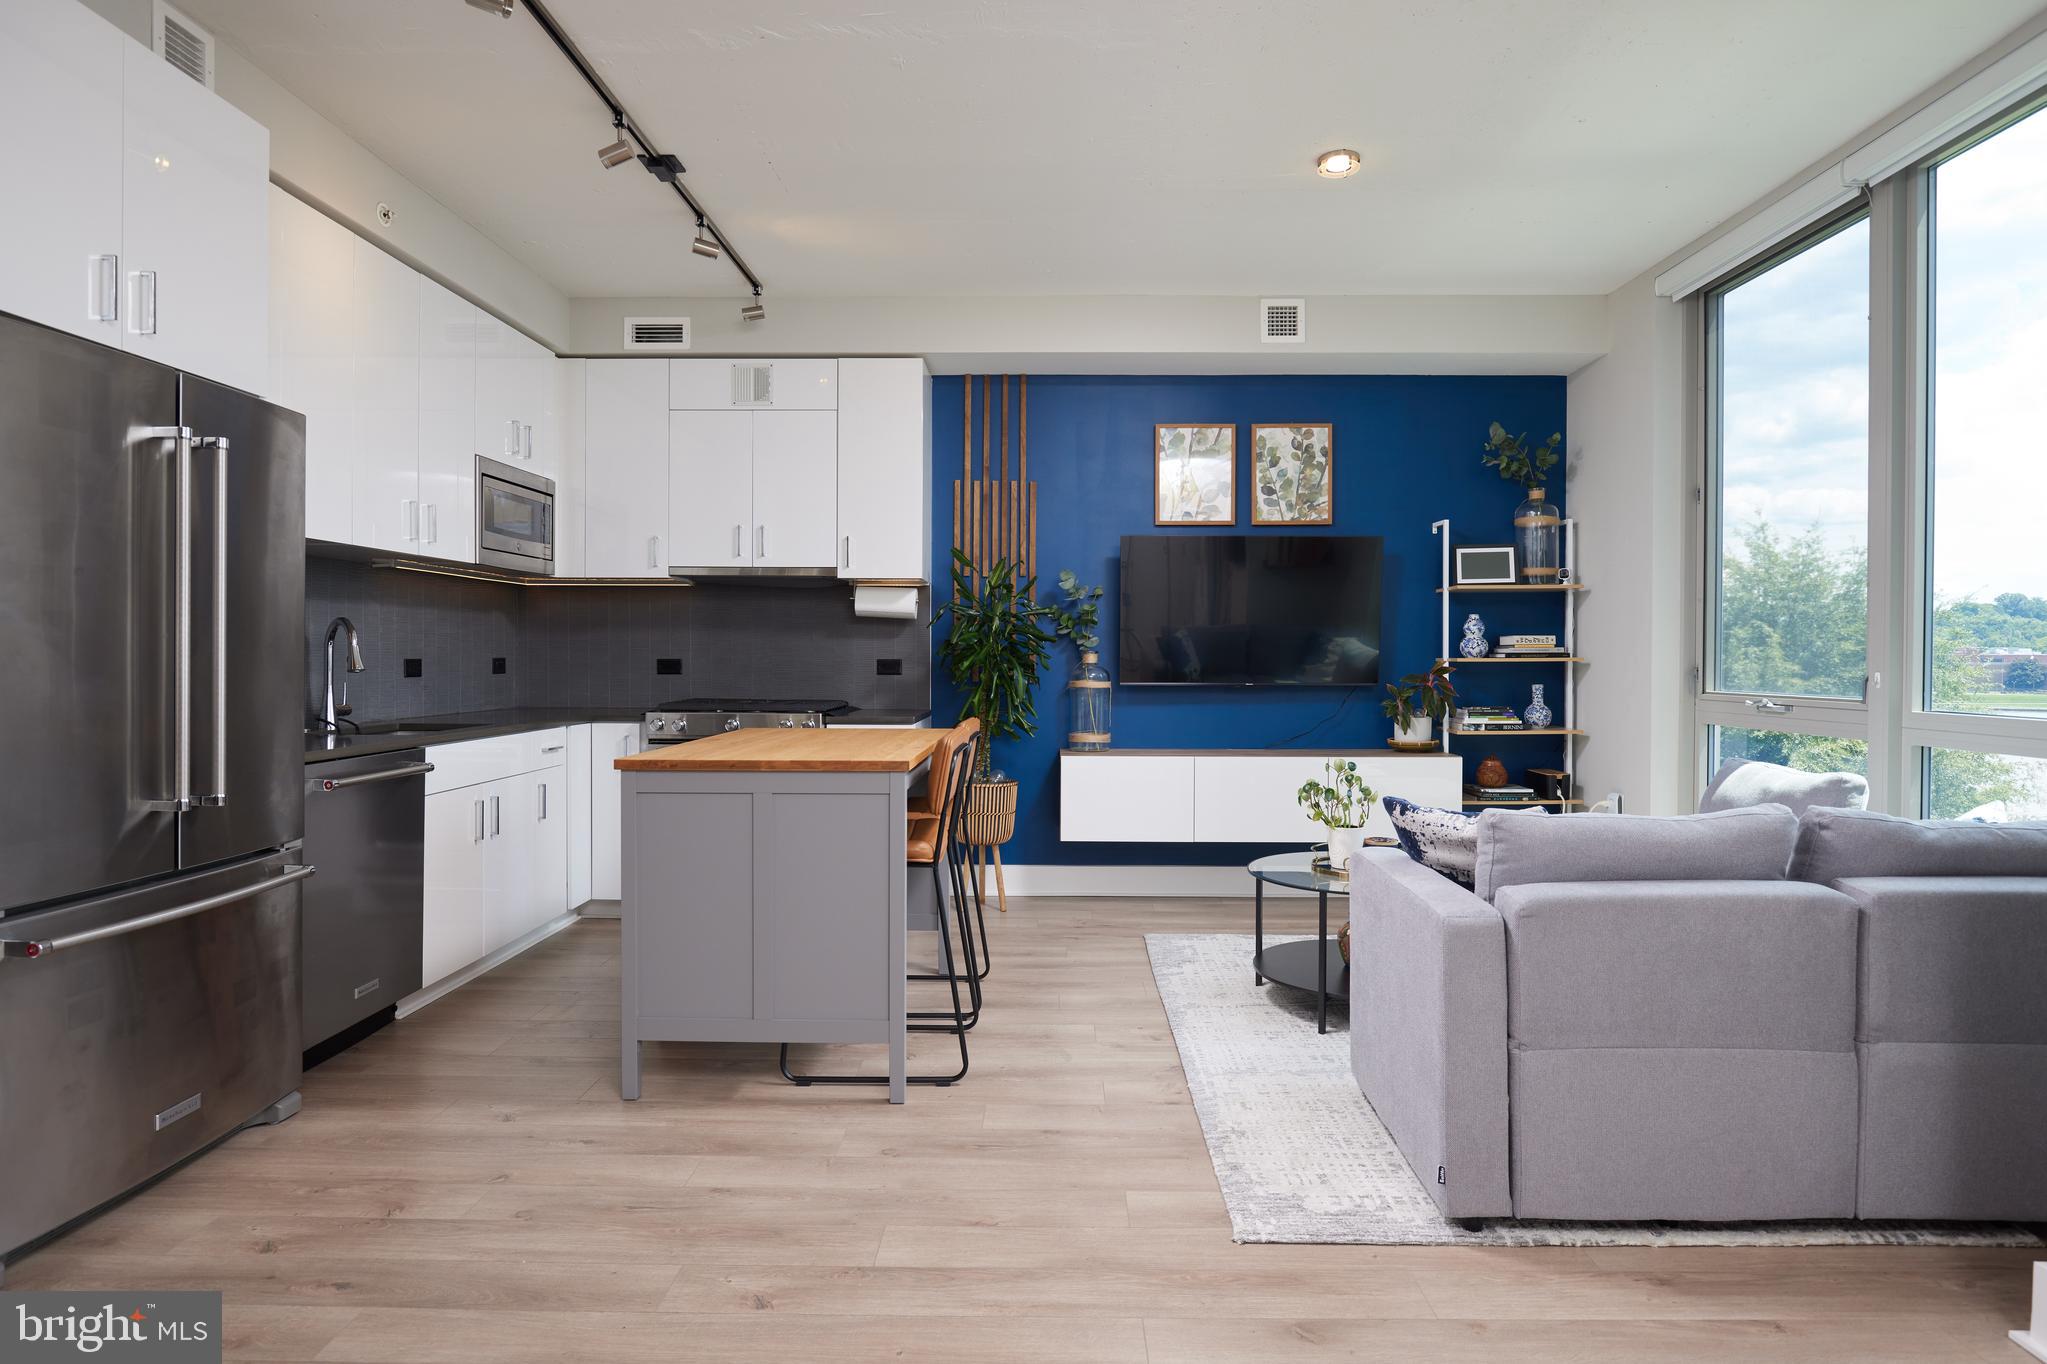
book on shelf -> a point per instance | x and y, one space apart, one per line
1531 653
1525 642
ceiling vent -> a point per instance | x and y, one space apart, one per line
657 333
182 43
1280 319
753 385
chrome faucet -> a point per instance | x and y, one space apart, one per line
329 712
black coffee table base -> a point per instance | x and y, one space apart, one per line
1315 964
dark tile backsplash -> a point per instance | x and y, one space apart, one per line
601 646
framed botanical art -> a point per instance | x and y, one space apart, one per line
1194 475
1293 474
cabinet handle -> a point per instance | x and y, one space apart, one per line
411 515
103 288
554 748
497 817
479 821
433 523
625 745
653 551
529 441
543 800
760 542
848 554
511 437
735 542
142 305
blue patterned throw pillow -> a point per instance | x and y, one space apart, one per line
1444 841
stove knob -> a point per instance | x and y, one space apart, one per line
682 724
732 724
658 725
788 723
811 723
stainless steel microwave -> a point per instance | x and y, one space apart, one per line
514 518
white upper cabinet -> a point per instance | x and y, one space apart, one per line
447 413
137 198
387 403
626 469
312 354
60 152
791 385
710 489
884 469
795 489
512 396
195 239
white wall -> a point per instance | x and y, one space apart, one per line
1626 486
1138 334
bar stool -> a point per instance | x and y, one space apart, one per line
922 807
933 842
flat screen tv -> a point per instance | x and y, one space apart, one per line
1249 610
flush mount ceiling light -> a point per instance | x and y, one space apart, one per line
616 153
704 245
501 8
1330 165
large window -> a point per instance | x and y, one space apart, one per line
1790 459
1961 784
1987 460
1806 752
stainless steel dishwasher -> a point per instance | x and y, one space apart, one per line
360 939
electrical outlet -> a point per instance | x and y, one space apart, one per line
668 667
888 667
415 667
497 665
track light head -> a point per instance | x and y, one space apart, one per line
616 153
753 312
705 244
501 8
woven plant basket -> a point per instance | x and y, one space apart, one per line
991 812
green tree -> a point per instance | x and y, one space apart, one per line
1793 616
2025 675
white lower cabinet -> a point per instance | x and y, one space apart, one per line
497 850
608 741
579 772
1132 796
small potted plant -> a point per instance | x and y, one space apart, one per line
1417 701
1341 804
1538 525
994 652
1088 691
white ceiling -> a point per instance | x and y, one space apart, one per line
1113 146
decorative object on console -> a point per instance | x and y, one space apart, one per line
995 517
1194 475
1474 645
1293 474
1341 805
1088 691
1416 702
1538 714
1484 566
1491 772
1538 526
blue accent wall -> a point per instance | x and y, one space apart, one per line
1407 453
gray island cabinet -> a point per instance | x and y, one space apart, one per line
766 891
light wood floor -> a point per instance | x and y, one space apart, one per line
467 1185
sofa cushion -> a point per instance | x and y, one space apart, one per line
1952 958
1444 841
1729 845
1834 844
1742 782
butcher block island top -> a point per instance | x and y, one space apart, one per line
792 750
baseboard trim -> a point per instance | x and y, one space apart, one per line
1053 880
600 909
413 1003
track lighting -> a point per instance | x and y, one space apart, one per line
501 8
666 169
754 311
704 245
617 153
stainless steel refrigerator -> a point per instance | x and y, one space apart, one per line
152 585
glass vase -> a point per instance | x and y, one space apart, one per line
1538 538
1089 693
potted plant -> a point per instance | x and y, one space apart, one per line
994 653
1341 805
1538 525
1088 691
1417 701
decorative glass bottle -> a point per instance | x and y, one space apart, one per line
1538 713
1538 538
1474 643
1090 692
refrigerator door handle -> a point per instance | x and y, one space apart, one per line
180 799
32 948
218 796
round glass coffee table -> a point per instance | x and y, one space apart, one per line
1314 964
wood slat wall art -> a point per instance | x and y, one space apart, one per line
995 516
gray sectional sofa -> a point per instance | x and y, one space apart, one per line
1741 1015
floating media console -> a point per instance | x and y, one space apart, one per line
1167 795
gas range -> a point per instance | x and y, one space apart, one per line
698 717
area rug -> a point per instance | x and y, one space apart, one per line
1302 1157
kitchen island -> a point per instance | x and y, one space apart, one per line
766 891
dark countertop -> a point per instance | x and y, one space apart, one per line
395 736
